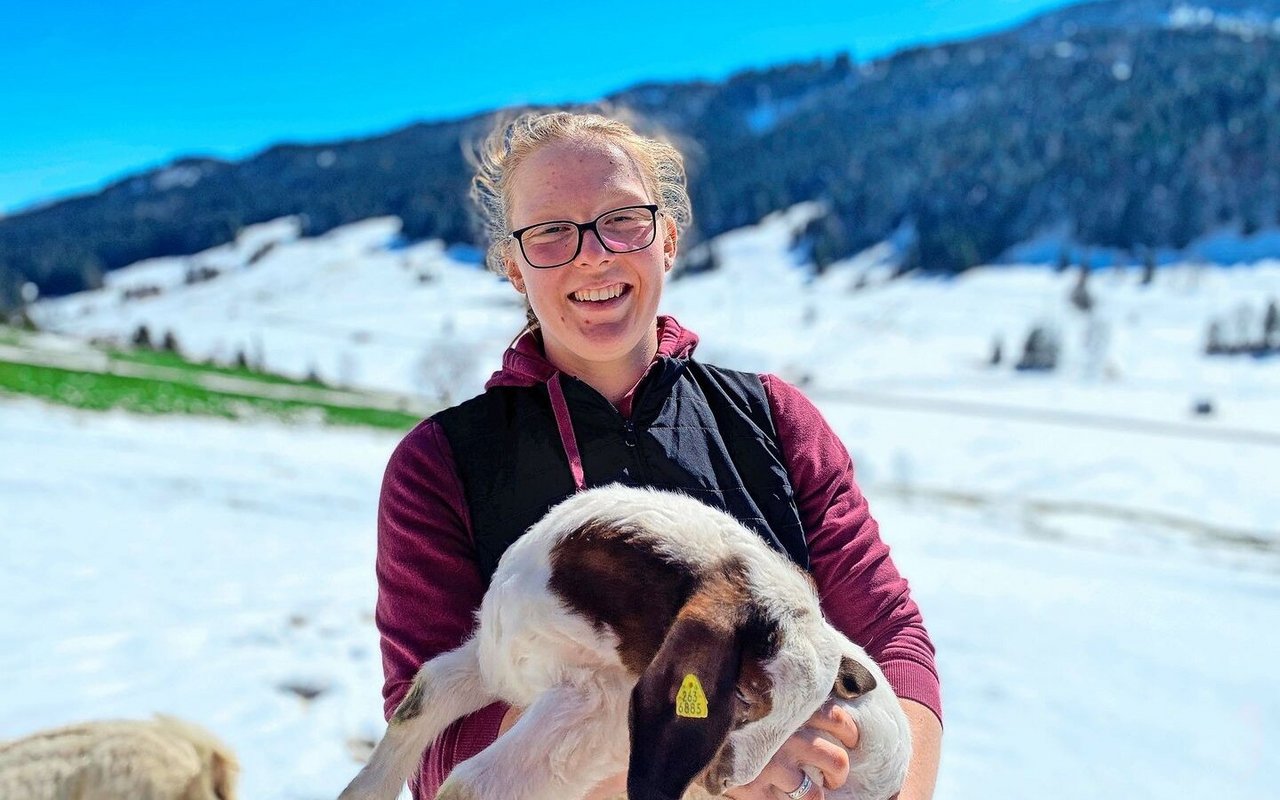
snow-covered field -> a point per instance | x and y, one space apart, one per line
360 309
1100 569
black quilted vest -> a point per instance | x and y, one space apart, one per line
699 429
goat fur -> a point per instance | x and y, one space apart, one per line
160 759
589 714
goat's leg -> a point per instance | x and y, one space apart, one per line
569 740
447 687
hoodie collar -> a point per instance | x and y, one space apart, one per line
525 363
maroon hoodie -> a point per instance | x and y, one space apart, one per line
429 585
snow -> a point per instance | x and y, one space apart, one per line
1225 245
325 305
201 566
1097 565
176 177
1247 26
768 112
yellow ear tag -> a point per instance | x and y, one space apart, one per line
691 701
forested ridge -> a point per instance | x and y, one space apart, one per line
1131 124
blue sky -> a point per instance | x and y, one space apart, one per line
96 89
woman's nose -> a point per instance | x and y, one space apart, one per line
593 250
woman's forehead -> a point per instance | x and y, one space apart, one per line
575 179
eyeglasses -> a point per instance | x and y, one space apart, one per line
556 243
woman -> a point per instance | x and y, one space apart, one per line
584 218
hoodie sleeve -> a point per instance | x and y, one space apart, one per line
429 587
860 589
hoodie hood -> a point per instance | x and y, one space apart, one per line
525 363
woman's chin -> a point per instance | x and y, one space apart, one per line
625 344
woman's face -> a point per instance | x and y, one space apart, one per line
616 334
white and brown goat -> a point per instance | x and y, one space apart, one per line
645 631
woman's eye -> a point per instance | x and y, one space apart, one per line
547 232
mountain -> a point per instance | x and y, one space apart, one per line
1128 124
1133 15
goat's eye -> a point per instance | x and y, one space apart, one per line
742 696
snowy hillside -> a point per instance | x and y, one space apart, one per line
361 309
354 307
223 571
1099 566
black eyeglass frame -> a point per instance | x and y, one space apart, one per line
583 227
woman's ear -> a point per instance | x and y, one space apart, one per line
513 274
670 243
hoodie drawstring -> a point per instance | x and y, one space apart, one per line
567 437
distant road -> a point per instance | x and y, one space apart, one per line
1071 419
1038 515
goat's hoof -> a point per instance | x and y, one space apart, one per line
454 789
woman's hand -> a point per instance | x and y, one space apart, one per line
822 744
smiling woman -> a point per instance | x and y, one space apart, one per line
596 211
596 311
584 217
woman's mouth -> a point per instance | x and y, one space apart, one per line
602 294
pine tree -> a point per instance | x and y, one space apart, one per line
1213 345
170 343
1040 351
1080 296
1148 268
700 259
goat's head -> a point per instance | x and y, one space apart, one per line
746 657
730 683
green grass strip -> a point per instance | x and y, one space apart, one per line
101 392
161 358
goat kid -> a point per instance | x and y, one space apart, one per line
641 630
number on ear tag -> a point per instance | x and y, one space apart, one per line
691 701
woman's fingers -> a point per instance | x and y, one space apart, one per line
836 721
809 747
826 761
814 791
779 777
823 745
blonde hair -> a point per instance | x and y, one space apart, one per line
497 158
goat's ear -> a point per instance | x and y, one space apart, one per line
853 680
683 706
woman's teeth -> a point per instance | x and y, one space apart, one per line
596 295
